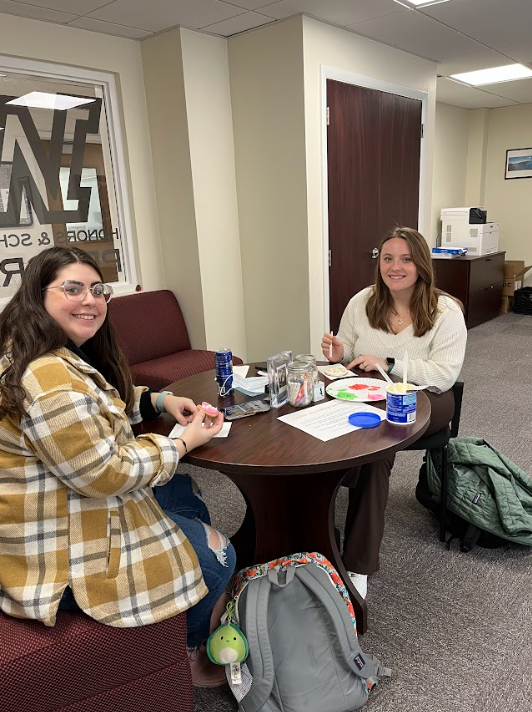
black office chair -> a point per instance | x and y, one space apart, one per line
439 441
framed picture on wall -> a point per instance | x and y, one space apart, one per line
518 163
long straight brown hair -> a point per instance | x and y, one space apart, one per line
27 331
424 301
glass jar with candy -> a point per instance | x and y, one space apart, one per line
300 383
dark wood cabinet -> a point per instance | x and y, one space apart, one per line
476 281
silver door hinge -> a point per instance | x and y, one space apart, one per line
329 258
328 116
422 130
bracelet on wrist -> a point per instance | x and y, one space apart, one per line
184 445
159 408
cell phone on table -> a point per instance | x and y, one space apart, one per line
243 410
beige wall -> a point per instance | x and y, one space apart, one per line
212 152
333 47
266 70
187 86
30 39
475 141
475 189
451 146
509 201
168 119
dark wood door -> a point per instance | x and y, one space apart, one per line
373 152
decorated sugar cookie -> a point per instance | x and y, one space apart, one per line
336 371
208 409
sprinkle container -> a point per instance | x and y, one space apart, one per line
401 404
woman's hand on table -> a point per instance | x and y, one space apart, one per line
183 409
336 354
201 429
368 363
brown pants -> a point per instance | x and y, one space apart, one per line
368 495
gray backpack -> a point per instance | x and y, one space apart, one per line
304 653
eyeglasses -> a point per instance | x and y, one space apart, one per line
76 291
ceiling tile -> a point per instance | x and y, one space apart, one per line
78 7
483 59
520 91
521 52
241 23
107 28
417 34
497 23
158 15
36 13
503 34
340 12
251 4
469 15
450 92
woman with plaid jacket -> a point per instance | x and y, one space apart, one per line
80 525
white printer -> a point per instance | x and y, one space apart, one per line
467 227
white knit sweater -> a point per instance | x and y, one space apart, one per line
434 359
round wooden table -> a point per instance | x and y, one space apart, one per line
288 478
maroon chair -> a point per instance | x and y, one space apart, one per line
80 665
154 336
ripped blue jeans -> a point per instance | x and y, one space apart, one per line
186 508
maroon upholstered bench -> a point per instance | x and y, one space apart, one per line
80 665
154 336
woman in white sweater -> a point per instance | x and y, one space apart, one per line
402 311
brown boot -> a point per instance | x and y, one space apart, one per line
204 672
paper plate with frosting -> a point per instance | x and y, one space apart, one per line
362 390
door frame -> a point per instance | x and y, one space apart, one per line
341 75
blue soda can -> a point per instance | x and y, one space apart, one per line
223 364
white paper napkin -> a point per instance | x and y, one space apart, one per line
178 430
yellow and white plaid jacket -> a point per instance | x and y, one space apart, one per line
76 506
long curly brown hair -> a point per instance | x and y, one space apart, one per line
424 301
27 331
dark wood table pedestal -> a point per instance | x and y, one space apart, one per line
286 515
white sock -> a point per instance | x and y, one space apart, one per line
360 582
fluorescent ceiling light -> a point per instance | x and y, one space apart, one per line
495 75
43 100
419 3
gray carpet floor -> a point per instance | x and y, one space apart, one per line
455 628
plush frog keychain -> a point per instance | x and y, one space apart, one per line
228 646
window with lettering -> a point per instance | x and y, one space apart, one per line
58 175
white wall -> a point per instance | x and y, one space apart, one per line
333 47
30 39
451 144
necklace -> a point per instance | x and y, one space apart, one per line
400 319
